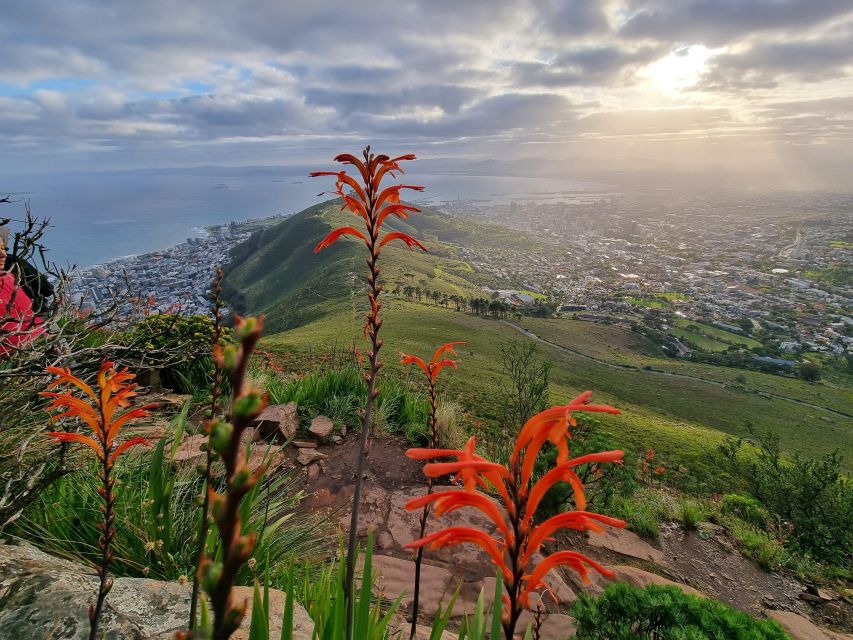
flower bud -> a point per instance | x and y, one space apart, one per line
220 436
248 404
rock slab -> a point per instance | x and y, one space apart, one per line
321 428
46 597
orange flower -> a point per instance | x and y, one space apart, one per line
517 539
434 366
97 409
650 455
660 470
368 202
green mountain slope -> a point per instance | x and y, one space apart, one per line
277 273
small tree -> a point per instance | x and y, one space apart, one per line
527 391
808 371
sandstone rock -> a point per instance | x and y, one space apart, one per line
385 541
640 578
626 543
800 628
307 456
313 472
321 428
304 444
336 439
45 597
398 577
278 422
555 626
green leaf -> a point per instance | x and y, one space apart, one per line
259 628
496 609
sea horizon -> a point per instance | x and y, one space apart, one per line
98 218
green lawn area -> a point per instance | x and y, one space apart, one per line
534 294
649 303
683 419
703 342
716 334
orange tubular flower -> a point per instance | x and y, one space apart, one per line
97 410
518 539
370 203
100 410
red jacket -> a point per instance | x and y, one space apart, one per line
18 324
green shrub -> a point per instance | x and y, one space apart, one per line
812 495
623 612
690 513
643 510
746 508
757 544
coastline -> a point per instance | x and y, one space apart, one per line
175 279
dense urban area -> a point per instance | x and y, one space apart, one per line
750 281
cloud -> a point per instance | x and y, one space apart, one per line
716 22
213 81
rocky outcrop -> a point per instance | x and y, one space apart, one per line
801 628
278 422
45 597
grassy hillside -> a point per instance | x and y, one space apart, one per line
276 272
683 419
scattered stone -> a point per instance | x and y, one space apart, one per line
313 472
336 439
321 428
811 597
307 456
626 543
149 378
304 444
278 422
45 597
385 541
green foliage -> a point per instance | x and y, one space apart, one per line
757 544
624 612
643 510
746 508
184 343
809 371
322 595
338 393
157 516
812 495
690 513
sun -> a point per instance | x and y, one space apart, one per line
680 69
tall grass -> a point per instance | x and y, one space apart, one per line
339 393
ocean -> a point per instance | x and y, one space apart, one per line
97 217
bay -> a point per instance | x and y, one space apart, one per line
97 217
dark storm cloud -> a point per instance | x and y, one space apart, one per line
715 22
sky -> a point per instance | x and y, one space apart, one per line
760 89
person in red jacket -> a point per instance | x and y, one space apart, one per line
18 324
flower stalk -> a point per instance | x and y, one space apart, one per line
215 393
431 370
374 206
100 411
224 438
518 537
